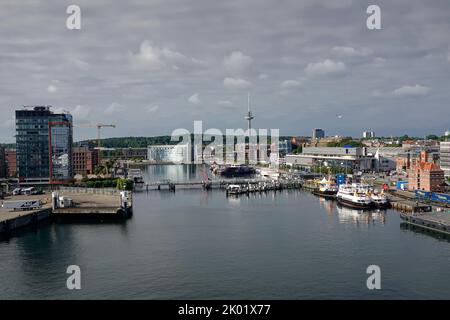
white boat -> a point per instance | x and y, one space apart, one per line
326 189
354 196
269 174
379 199
234 189
136 176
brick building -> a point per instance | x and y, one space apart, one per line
11 162
85 160
425 175
2 163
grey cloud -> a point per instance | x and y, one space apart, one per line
140 54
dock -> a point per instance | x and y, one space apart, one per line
215 184
103 204
434 221
12 220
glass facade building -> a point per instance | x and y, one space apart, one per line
44 145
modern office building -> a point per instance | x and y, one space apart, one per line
284 147
318 134
169 153
444 157
44 146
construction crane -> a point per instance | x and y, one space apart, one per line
99 127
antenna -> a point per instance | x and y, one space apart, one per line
249 116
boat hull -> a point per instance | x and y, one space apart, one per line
325 194
385 205
355 205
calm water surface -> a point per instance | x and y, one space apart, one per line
195 244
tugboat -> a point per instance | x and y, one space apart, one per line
354 196
326 189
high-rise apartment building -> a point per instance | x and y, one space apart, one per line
44 145
368 134
318 134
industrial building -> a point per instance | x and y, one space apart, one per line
444 156
352 158
44 146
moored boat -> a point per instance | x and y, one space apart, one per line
136 176
379 199
326 189
354 196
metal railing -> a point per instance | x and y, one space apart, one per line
101 191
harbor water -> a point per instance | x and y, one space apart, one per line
196 244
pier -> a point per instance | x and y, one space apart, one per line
434 221
216 184
103 204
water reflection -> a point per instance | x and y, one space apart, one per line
355 216
177 173
417 230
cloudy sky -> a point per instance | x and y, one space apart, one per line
151 66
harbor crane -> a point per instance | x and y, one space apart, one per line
99 127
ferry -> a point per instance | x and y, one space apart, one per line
138 179
354 196
379 199
326 189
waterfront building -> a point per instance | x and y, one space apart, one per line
169 153
368 134
385 158
324 142
425 174
444 157
3 165
134 153
11 163
44 146
351 158
284 147
300 141
318 134
85 160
